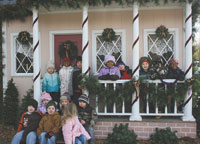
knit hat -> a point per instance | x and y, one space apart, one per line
78 58
33 103
65 96
46 96
66 60
51 103
173 60
109 58
144 59
50 64
84 98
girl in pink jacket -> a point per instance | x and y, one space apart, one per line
73 131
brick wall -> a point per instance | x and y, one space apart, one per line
145 129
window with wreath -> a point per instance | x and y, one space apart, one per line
103 48
23 57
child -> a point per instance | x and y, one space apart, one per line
124 70
51 82
76 80
49 125
87 116
174 72
45 99
64 100
65 74
26 132
110 72
144 67
73 131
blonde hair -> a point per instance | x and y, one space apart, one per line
70 111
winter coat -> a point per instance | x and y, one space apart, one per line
51 82
73 128
49 123
175 74
76 80
42 108
32 124
65 75
88 114
114 71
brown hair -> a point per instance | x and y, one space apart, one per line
70 111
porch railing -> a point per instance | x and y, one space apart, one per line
146 108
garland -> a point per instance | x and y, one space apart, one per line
162 32
68 49
24 38
108 35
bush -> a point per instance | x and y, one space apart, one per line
121 135
10 111
164 136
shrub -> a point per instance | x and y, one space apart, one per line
164 136
121 135
10 104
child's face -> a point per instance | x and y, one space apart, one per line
174 65
121 67
31 109
45 101
82 104
64 103
66 63
51 110
110 64
79 64
50 70
145 66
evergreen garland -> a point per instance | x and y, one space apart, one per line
10 110
108 35
70 48
24 38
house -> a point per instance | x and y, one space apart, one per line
134 25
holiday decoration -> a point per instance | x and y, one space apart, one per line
162 32
108 35
68 49
24 38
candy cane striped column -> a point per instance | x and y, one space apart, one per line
36 58
85 43
135 115
188 50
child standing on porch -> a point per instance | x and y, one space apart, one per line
73 131
65 74
26 132
51 82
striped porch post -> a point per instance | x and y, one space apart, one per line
188 66
135 116
36 58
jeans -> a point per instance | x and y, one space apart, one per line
44 140
30 138
80 140
90 130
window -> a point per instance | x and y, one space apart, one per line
102 48
22 60
166 48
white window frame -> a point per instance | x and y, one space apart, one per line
96 33
173 31
13 58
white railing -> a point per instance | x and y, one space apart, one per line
121 110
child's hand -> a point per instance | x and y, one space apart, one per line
49 135
82 122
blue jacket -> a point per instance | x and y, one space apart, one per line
51 82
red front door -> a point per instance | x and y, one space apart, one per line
59 39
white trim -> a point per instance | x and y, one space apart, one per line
4 53
13 60
121 32
174 31
60 32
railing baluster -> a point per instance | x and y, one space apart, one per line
166 105
147 107
156 100
114 106
105 109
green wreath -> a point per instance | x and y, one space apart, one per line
108 35
68 49
162 32
24 38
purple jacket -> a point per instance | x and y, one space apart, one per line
111 71
42 108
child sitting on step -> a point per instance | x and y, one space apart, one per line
45 99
